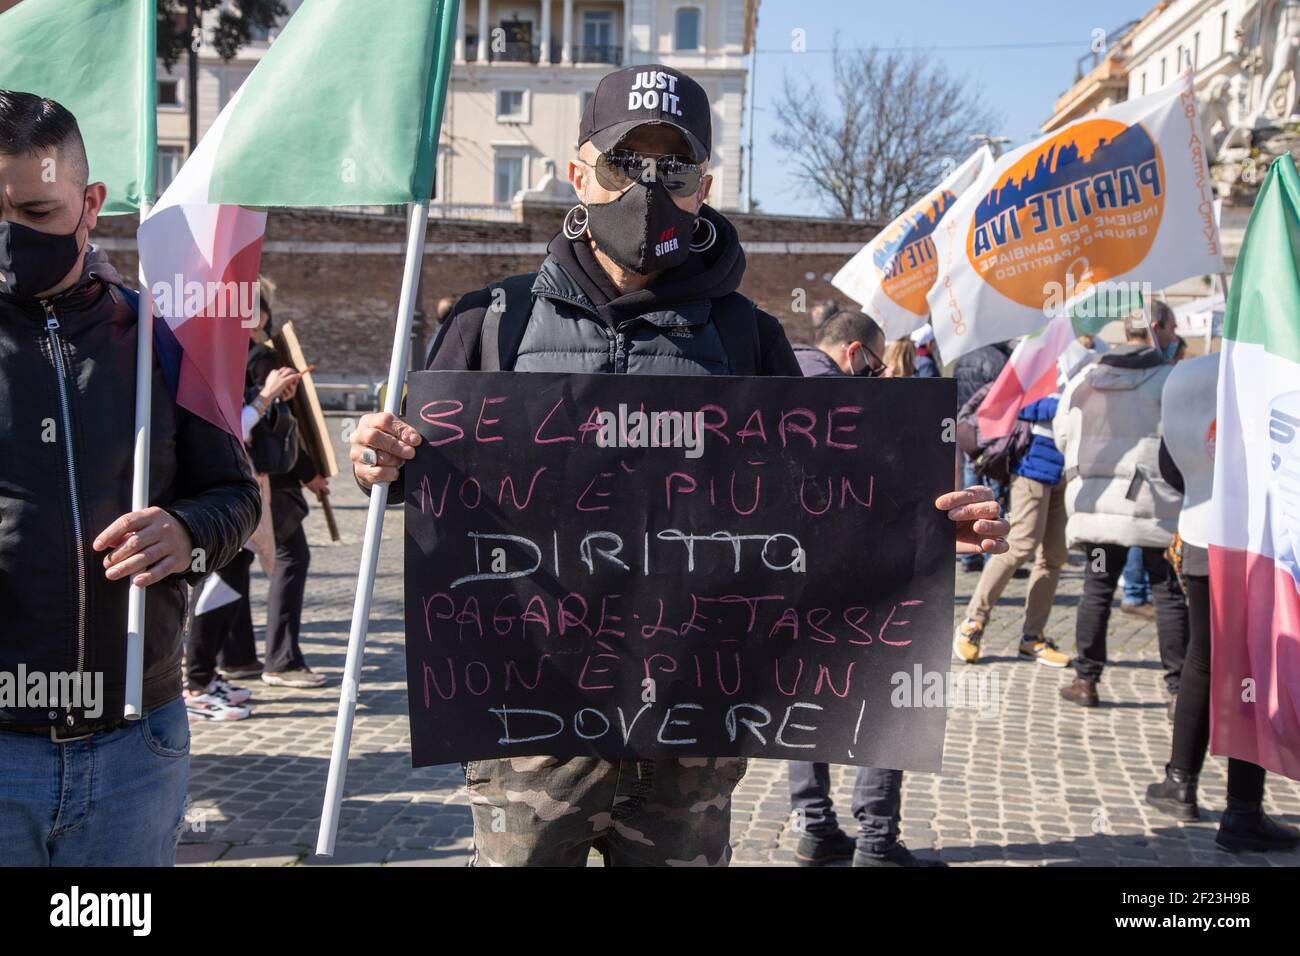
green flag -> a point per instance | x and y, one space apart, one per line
95 57
1264 305
343 110
1093 313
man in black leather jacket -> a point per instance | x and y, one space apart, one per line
78 785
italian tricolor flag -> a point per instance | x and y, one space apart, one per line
342 110
1255 523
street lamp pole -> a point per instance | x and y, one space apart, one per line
192 28
995 143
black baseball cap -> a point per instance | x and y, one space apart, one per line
654 93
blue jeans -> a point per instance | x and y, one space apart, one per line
877 803
112 799
1137 586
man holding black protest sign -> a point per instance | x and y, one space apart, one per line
642 280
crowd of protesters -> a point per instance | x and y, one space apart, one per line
1116 467
1110 468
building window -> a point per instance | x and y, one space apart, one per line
598 44
518 35
686 29
229 83
509 175
1223 33
1196 51
170 159
512 106
169 93
1144 83
597 28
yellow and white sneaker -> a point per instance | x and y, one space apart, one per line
966 641
1042 650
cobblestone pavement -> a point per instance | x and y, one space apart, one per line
1039 781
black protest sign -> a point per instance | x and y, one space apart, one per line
653 567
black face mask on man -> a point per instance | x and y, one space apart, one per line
32 261
642 230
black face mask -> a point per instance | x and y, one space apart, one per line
32 261
642 230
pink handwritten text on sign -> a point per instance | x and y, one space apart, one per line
671 567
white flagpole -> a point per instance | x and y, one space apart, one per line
1209 327
133 703
134 706
329 820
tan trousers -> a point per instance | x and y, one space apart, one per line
1037 527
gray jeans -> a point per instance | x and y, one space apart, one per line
877 803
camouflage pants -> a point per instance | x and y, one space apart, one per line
550 811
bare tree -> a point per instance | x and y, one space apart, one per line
892 125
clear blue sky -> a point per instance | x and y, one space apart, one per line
1041 40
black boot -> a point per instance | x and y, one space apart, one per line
1246 828
896 854
1176 794
824 849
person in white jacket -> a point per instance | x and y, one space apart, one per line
1187 463
1108 427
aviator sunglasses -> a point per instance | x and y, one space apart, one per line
620 168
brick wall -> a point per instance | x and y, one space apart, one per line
339 274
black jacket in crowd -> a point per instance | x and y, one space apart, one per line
288 505
704 276
976 369
67 414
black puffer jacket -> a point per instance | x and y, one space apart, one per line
976 369
604 320
67 411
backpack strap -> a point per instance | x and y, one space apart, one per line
166 349
503 328
736 319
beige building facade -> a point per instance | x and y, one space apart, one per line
1245 61
521 74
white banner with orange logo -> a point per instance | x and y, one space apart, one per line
892 273
1120 196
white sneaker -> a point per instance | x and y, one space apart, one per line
230 693
212 706
302 677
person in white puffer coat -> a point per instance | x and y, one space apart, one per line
1108 427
